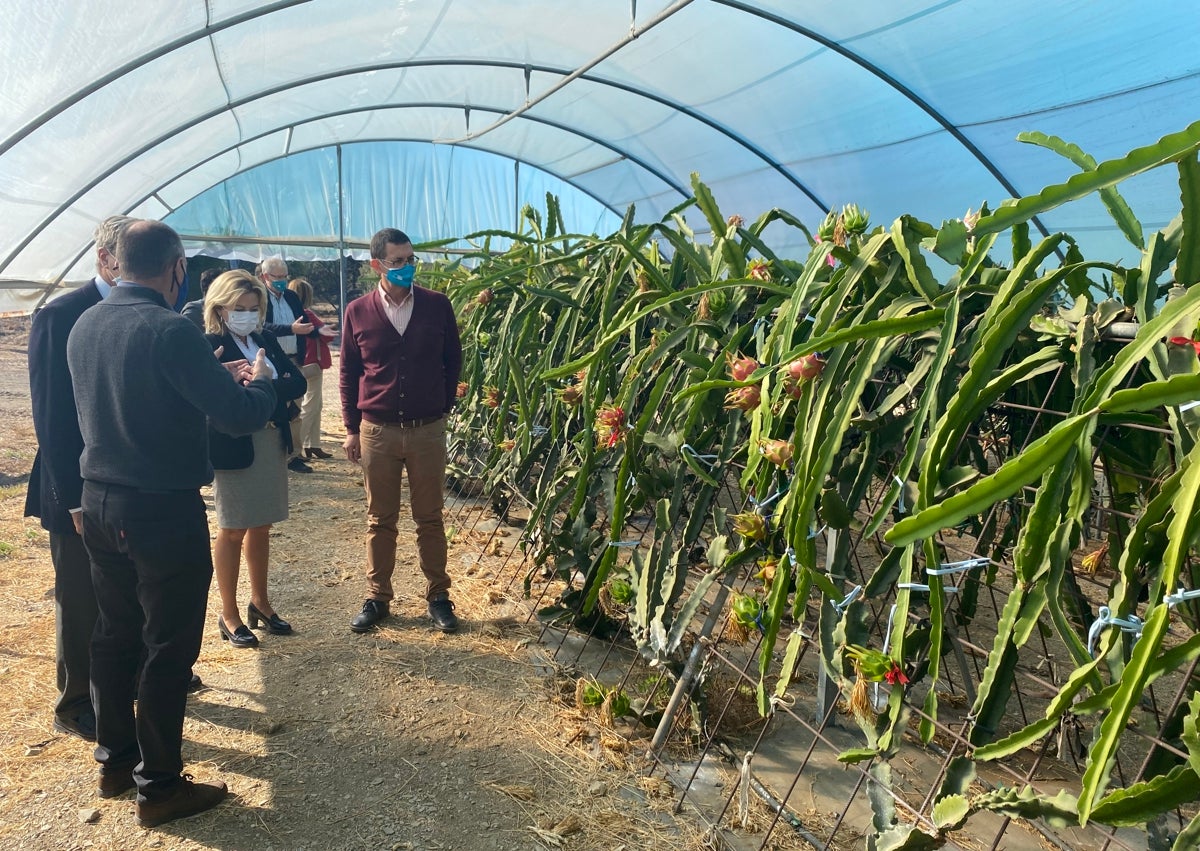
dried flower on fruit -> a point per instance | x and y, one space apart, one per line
491 396
571 395
461 391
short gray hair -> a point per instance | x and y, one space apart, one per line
273 263
108 230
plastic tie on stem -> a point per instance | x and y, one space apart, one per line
843 604
920 586
1187 406
1104 618
624 543
538 430
1181 596
956 566
814 532
759 506
900 498
708 460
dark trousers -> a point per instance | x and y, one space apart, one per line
151 569
74 620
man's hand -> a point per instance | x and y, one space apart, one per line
262 367
352 447
239 369
326 331
300 327
77 519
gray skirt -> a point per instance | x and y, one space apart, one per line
257 495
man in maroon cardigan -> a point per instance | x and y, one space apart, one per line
400 363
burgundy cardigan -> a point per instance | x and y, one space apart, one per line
386 377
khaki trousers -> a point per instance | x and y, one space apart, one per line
309 431
387 452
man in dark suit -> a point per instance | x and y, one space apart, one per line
285 320
55 486
146 387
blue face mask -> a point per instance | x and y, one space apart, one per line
402 277
181 299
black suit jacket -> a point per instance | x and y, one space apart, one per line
236 453
55 485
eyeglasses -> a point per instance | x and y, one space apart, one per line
399 264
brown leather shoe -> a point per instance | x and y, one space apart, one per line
186 799
114 783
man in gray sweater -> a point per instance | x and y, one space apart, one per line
145 383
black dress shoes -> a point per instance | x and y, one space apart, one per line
82 725
240 637
441 611
373 611
275 624
186 799
317 452
115 783
297 465
195 684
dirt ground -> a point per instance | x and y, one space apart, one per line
401 739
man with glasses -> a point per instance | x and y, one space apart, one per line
400 362
285 319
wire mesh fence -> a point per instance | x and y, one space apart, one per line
786 764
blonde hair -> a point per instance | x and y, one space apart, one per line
302 288
225 292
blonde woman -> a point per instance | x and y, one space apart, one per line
314 358
250 490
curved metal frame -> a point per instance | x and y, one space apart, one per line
382 66
322 147
434 105
892 83
145 59
401 140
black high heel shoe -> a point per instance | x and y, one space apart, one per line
240 637
275 624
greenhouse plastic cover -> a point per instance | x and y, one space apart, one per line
263 128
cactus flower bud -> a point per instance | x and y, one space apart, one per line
855 219
485 297
461 392
491 397
508 445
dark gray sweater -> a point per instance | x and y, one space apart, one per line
146 382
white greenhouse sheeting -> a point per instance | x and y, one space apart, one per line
228 118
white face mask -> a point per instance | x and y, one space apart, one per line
242 322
